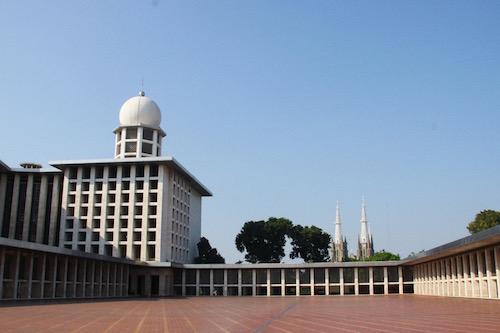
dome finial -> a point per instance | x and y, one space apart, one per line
141 92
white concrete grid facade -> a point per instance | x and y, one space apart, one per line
180 219
135 211
112 210
470 274
367 280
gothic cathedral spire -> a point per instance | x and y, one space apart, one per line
339 245
365 241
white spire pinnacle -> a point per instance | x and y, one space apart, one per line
338 225
365 233
363 210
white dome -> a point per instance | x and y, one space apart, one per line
140 111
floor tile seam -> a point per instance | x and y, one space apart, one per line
284 322
235 321
116 310
306 322
63 318
329 324
122 318
363 320
278 315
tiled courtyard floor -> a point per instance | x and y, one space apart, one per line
407 313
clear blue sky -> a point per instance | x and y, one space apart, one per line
279 107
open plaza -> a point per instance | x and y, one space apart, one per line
408 313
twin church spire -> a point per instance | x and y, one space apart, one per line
338 250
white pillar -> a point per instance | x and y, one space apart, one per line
54 276
239 282
465 273
497 266
448 278
14 204
224 289
400 279
101 274
40 222
197 282
460 283
386 282
473 266
211 282
444 280
84 278
75 277
370 274
268 282
183 282
341 280
283 287
254 282
65 276
488 273
311 276
27 208
108 271
480 272
297 282
327 281
42 275
16 274
54 211
356 281
30 274
454 282
92 279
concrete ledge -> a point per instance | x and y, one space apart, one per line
283 265
17 244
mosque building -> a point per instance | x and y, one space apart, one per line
129 226
139 205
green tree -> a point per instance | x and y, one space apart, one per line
263 241
383 256
207 254
310 243
484 220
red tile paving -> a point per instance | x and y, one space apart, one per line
406 313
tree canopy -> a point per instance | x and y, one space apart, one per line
264 241
484 220
383 256
309 243
207 254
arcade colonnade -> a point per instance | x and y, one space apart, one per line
470 274
293 280
27 274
